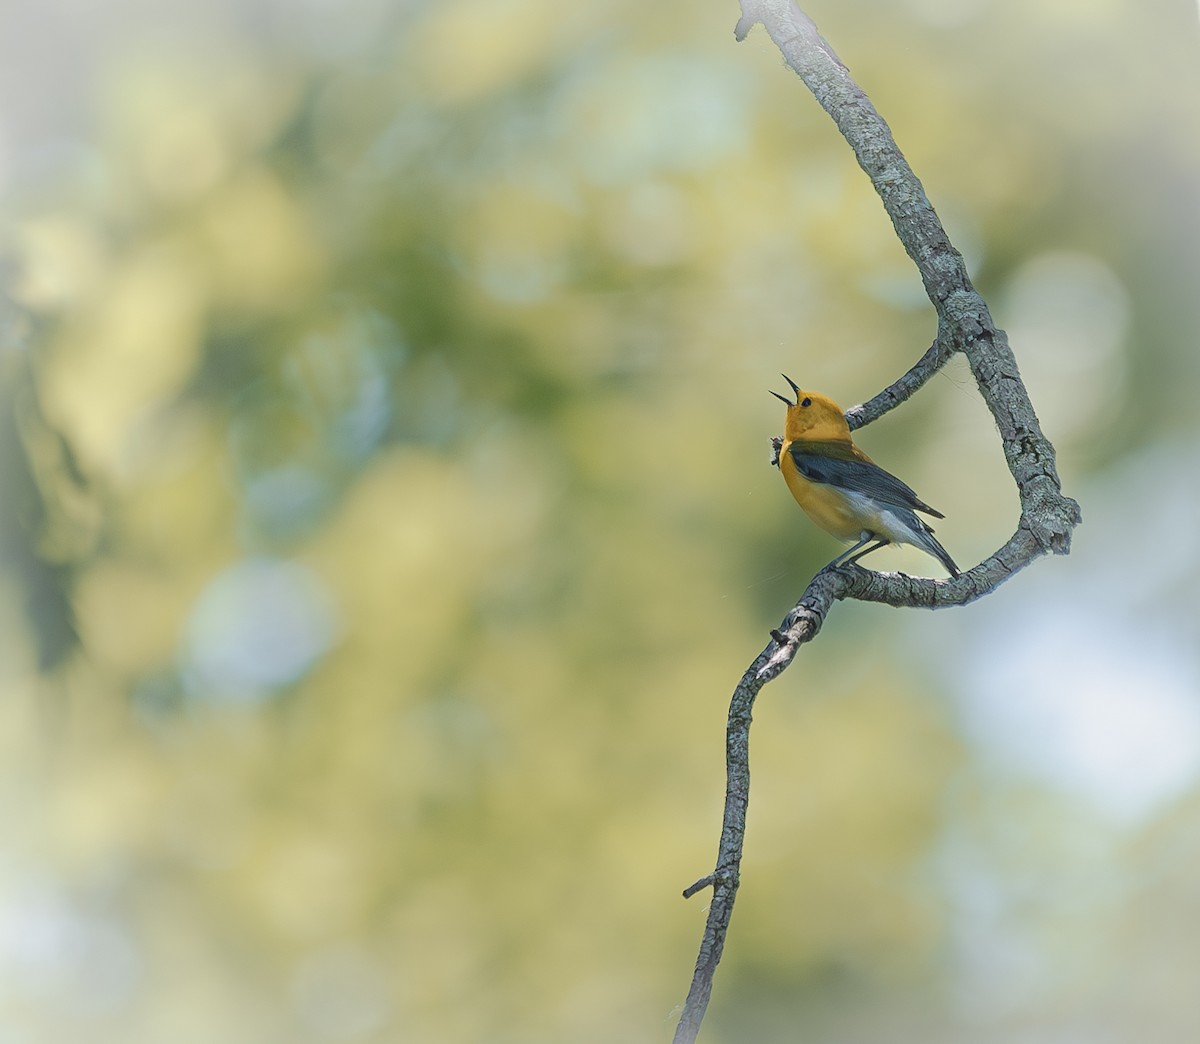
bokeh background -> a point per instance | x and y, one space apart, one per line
386 517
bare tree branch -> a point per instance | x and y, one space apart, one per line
964 325
902 389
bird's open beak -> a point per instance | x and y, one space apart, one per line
795 388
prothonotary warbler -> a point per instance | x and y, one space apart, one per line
842 490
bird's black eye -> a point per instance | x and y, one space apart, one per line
806 402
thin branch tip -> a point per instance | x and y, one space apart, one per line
705 882
749 19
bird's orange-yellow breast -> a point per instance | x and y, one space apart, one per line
816 421
826 505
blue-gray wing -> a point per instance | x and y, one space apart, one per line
860 476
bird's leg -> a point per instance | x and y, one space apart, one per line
864 539
853 554
866 551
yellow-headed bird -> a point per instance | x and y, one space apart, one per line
842 490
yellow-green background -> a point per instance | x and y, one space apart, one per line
386 518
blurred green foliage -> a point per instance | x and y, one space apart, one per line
386 517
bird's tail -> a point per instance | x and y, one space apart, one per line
928 542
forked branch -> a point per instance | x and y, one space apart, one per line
964 325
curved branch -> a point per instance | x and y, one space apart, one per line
964 325
964 321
